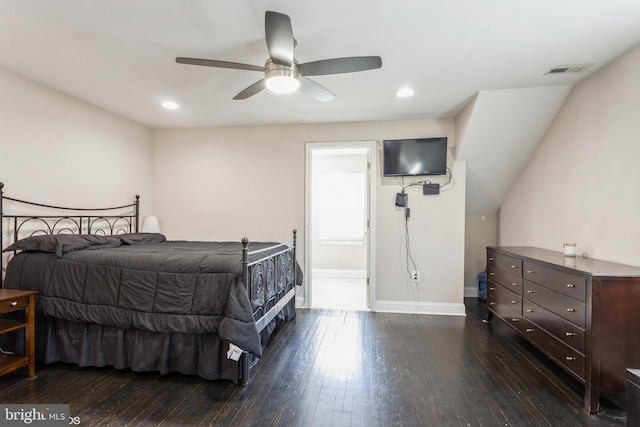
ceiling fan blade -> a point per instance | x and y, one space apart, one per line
218 64
279 35
340 65
251 90
315 90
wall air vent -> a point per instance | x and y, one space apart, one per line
566 69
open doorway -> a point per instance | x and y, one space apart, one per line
338 241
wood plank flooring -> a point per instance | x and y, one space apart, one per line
342 368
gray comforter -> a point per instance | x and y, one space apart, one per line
167 286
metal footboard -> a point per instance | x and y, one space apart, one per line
269 275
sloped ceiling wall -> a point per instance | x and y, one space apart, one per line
497 132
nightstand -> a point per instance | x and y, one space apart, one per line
12 300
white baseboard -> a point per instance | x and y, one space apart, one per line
360 274
408 307
300 302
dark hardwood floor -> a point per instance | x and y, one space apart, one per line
340 368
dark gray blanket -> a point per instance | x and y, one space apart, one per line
172 286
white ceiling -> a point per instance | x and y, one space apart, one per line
120 54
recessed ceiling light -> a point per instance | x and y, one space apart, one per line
405 92
170 105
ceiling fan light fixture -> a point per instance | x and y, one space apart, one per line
282 84
281 78
282 73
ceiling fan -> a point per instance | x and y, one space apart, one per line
282 73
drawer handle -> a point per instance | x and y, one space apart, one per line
492 289
13 303
571 310
570 285
530 330
515 319
529 310
490 258
531 291
514 302
492 274
529 271
570 358
514 284
570 334
514 266
492 303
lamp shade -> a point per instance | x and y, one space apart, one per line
151 225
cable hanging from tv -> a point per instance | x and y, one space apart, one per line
428 188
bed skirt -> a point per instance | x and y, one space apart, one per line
94 345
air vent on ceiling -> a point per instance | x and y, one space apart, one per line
565 69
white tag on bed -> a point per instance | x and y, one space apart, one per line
234 352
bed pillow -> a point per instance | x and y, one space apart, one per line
141 238
60 244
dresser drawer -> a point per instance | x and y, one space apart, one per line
505 297
509 281
562 282
14 304
572 310
555 325
506 312
504 263
562 354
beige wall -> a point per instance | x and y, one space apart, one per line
480 232
582 183
228 183
55 149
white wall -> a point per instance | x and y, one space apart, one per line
55 149
582 183
228 183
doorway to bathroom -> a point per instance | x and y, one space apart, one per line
338 219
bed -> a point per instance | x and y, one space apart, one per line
109 295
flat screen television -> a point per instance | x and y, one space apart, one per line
418 156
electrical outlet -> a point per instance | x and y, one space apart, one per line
415 276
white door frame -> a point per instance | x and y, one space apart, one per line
371 240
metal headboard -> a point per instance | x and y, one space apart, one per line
62 219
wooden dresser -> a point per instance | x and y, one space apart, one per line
582 313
